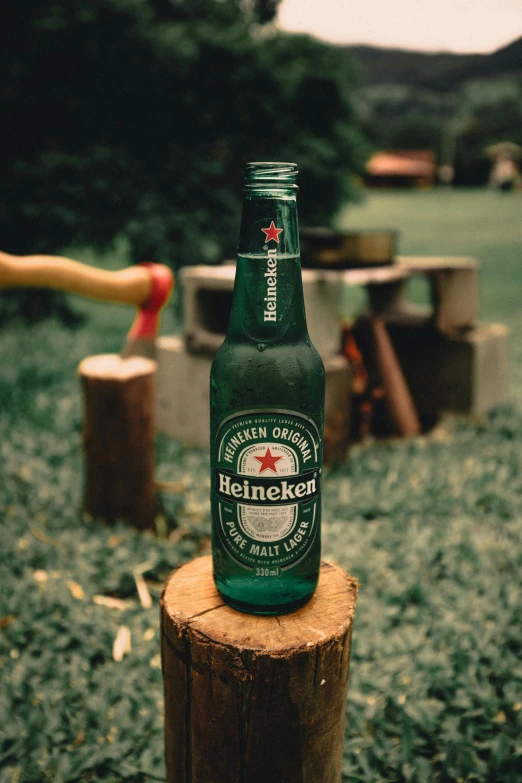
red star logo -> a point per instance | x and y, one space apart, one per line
272 232
268 462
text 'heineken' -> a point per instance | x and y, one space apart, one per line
267 411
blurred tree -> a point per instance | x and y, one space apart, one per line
134 118
400 116
494 112
415 131
457 123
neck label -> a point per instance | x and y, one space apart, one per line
271 235
271 290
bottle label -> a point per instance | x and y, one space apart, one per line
268 488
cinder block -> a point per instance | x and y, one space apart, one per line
455 297
183 408
463 373
322 295
207 300
454 284
454 289
182 392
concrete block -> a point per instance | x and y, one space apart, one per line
389 297
183 408
454 285
455 298
322 295
462 372
207 299
182 392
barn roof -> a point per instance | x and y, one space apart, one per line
406 163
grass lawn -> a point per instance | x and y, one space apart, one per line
432 528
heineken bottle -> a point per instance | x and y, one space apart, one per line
267 411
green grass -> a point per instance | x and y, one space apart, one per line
481 223
432 528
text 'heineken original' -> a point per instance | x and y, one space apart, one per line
267 411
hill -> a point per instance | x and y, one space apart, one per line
439 71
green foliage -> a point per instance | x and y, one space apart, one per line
398 116
33 304
380 65
134 118
438 71
492 112
430 527
455 105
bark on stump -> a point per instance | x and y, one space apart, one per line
252 699
118 438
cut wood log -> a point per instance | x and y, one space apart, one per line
253 699
118 438
398 398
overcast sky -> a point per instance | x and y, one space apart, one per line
451 25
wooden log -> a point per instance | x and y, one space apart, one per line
338 402
251 699
398 398
118 438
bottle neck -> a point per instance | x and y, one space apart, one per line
268 304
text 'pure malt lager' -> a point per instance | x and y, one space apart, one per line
267 411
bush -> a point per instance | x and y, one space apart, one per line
134 118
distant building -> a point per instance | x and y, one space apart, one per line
401 169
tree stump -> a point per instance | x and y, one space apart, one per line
118 438
252 699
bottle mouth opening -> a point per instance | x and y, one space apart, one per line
270 175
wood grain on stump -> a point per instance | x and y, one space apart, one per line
118 438
252 699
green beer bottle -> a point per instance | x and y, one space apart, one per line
267 411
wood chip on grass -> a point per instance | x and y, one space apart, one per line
111 603
122 643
